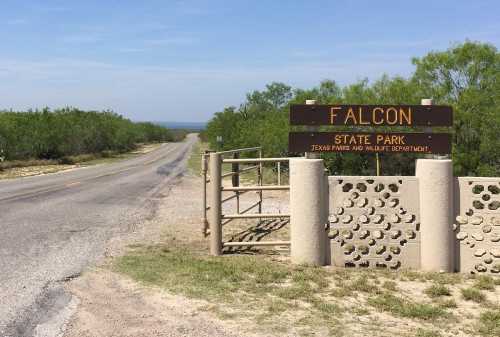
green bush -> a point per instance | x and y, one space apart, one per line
69 132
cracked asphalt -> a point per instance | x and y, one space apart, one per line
54 226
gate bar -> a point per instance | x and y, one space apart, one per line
255 160
257 188
256 243
253 216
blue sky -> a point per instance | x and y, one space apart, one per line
184 60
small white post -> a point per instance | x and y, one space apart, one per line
311 155
215 204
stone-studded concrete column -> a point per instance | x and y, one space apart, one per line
307 211
436 214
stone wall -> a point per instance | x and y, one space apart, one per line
477 226
374 221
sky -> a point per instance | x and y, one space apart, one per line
184 60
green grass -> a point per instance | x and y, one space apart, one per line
489 323
473 294
437 290
484 282
440 278
427 333
390 285
194 163
406 308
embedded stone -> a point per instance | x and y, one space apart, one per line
488 260
378 218
347 218
348 203
371 242
462 235
487 228
348 249
388 257
354 195
394 218
476 220
410 234
355 226
408 218
454 227
395 234
378 203
480 268
478 237
387 226
461 219
495 221
495 252
402 211
370 210
380 249
333 233
495 269
333 218
347 234
393 202
495 237
364 234
363 219
479 252
356 257
364 250
362 202
340 210
395 250
378 234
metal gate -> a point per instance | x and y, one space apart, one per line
213 186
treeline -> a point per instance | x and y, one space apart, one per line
466 76
65 132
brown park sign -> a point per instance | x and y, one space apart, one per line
369 142
371 115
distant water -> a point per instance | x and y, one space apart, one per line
184 125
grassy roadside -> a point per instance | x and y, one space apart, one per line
24 168
280 297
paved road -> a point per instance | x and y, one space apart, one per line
53 226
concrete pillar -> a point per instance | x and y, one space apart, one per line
436 214
307 211
326 213
215 214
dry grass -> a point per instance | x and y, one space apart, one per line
283 297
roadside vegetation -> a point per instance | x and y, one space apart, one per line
309 300
466 76
70 135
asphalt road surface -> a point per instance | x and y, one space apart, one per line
53 226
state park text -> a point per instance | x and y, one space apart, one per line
369 142
371 115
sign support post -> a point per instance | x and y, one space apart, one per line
311 155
